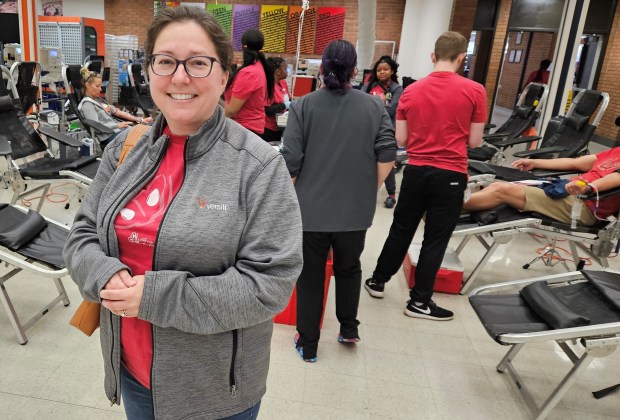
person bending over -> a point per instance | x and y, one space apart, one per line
600 172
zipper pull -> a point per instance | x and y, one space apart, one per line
112 401
233 391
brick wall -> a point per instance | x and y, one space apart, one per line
463 13
133 18
542 47
497 51
511 72
610 82
128 18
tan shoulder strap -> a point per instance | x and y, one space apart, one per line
133 136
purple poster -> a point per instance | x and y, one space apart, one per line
244 17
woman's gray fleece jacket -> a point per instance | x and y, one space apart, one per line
227 256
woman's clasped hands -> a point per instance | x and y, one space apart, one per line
122 294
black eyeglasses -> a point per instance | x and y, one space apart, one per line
199 66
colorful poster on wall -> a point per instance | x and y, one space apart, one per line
158 6
329 26
245 17
8 6
306 45
273 26
223 14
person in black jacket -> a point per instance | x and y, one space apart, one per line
383 82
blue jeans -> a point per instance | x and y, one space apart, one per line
138 401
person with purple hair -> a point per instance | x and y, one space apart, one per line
339 146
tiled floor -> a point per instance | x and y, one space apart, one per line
403 368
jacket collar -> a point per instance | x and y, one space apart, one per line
199 142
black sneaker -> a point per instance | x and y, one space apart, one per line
428 311
375 289
390 202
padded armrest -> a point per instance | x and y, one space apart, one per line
517 140
480 167
547 173
59 137
83 161
601 195
490 136
98 126
541 151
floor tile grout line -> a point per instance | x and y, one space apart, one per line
57 401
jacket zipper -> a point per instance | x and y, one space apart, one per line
153 266
115 397
113 210
233 384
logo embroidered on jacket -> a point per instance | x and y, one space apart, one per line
202 203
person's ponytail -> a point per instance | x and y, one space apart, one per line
338 63
268 74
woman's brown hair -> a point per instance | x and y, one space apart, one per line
206 21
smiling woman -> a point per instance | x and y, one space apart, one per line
178 258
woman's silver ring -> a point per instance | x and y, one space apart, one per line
124 313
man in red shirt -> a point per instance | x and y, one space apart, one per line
437 118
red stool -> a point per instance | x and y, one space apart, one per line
449 277
289 315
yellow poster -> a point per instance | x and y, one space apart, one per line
273 25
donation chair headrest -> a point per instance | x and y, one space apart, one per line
584 109
576 121
18 229
550 309
524 111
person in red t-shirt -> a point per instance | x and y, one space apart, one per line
541 75
437 118
187 278
600 172
251 85
280 101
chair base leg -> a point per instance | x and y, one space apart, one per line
20 329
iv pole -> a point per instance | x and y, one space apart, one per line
305 4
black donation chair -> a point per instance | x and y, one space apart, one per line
582 308
140 87
27 77
30 243
565 136
523 117
19 141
